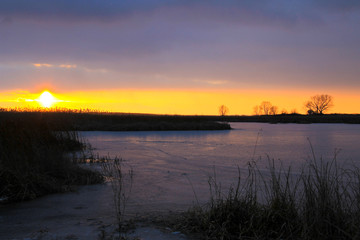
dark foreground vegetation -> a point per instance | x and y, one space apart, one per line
320 202
36 160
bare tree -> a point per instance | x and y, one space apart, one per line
273 110
318 104
223 110
265 107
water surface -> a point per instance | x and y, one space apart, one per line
170 166
289 142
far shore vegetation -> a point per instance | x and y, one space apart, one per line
89 120
83 120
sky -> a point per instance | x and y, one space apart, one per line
180 56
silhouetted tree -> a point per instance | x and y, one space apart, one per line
223 110
273 110
265 107
318 104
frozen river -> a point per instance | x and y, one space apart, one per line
167 163
199 150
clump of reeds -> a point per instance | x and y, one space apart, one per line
121 179
322 201
35 160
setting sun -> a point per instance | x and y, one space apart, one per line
46 99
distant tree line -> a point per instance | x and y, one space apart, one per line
318 104
265 108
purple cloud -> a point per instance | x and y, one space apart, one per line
179 43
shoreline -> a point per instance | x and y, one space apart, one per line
60 121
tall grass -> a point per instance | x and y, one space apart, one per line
121 183
322 201
35 160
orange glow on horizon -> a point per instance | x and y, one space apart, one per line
183 102
25 99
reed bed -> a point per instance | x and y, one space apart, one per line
320 202
35 160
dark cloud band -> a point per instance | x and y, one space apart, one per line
109 10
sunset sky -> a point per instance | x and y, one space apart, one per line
180 56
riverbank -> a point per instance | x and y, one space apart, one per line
88 214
